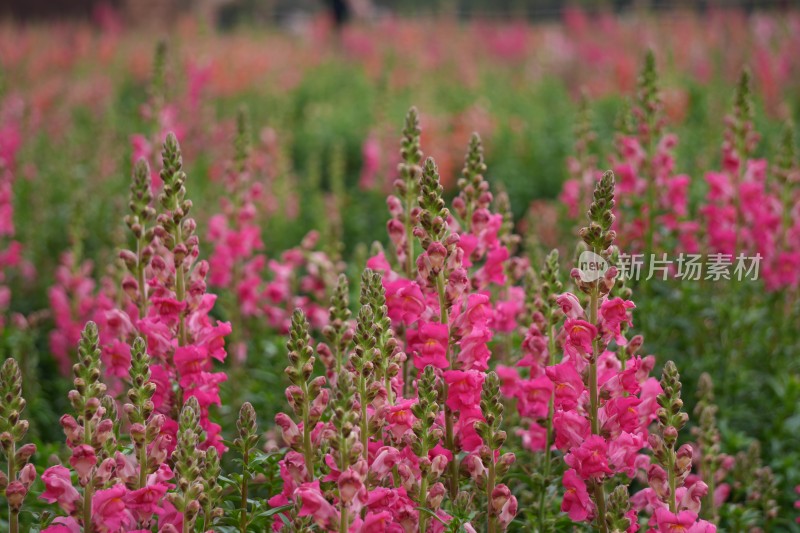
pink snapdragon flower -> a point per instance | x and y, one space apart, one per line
59 489
579 337
576 503
431 347
590 458
614 313
109 510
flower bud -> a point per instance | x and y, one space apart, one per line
437 254
349 485
438 465
25 453
657 478
15 495
27 475
435 496
500 496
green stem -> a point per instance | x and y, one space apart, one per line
180 289
672 482
491 524
599 489
551 347
140 280
452 467
13 514
87 507
243 515
87 490
423 516
143 462
409 266
389 392
307 452
364 422
651 186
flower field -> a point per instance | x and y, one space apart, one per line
413 275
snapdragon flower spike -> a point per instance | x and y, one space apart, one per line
362 361
739 214
669 466
581 165
339 332
501 505
389 357
653 200
306 396
438 266
402 207
235 234
143 429
758 485
427 434
182 339
780 270
602 406
16 481
210 497
92 437
708 438
506 234
142 213
348 467
246 443
189 464
474 191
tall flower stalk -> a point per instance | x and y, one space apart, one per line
246 443
19 476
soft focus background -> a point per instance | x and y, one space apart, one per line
326 89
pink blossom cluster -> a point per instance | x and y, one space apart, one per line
168 305
749 209
262 289
440 323
109 488
171 311
74 300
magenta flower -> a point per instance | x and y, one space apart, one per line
83 460
681 522
571 428
474 353
109 510
568 385
570 305
432 346
590 459
576 503
63 525
147 500
464 389
404 300
58 488
534 397
579 337
613 314
314 504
